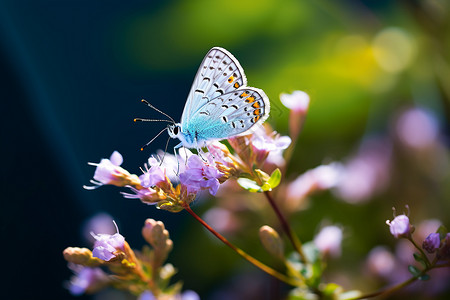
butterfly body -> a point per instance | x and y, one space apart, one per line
219 105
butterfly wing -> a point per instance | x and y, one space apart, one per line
233 113
218 74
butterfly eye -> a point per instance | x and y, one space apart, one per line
175 130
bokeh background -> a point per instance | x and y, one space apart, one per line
74 72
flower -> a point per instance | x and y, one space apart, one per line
200 176
298 101
381 262
146 295
444 251
367 173
417 128
154 174
320 178
101 222
432 242
400 226
328 241
149 196
86 279
261 146
108 171
106 245
269 147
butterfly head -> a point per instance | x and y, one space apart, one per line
174 130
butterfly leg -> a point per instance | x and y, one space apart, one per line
176 156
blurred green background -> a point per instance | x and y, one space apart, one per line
74 74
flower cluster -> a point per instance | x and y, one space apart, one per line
113 263
253 163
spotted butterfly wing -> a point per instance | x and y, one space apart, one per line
231 114
219 73
220 105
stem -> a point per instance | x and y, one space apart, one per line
246 256
420 250
295 241
387 291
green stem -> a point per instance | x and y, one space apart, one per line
424 256
295 241
387 291
246 256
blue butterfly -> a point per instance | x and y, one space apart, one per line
220 105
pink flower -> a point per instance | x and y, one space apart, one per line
298 101
328 241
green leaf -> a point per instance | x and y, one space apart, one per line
442 230
331 290
414 271
275 178
424 277
249 185
420 259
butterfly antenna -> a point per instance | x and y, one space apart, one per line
143 147
161 112
150 120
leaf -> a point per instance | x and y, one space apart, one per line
420 259
275 178
414 271
249 185
442 230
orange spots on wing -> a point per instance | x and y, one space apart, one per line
257 112
255 119
250 99
244 94
236 85
256 105
231 79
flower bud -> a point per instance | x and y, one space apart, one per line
271 241
298 103
432 242
81 256
444 251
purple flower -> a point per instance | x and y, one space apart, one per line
200 176
154 175
106 245
444 251
147 295
432 242
86 279
108 171
328 241
400 226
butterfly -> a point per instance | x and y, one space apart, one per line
220 105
